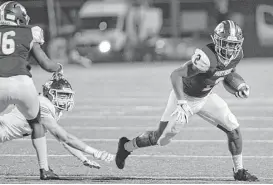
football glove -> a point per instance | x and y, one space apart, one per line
244 92
91 164
104 156
182 112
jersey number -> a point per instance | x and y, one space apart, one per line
7 43
209 87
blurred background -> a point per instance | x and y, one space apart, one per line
89 31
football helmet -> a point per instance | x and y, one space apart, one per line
13 13
60 93
228 40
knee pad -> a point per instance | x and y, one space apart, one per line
234 134
227 122
173 127
35 120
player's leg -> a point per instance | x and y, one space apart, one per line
167 129
12 127
4 93
148 138
25 97
217 112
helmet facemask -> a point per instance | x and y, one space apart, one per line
227 49
228 40
62 99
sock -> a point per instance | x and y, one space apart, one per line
41 150
131 145
237 162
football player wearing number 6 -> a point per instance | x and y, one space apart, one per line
192 94
18 41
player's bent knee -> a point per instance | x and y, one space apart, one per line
234 134
228 122
37 119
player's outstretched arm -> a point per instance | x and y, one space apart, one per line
78 154
43 59
71 140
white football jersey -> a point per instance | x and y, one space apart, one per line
48 109
14 125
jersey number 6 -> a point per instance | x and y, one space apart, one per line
7 43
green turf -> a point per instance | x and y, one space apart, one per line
128 99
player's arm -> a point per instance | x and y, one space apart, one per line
43 60
78 154
63 136
199 63
39 54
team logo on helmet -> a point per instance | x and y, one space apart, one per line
220 28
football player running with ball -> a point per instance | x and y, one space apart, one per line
192 94
57 97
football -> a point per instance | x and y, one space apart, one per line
233 83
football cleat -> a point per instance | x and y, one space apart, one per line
244 175
91 164
122 154
48 175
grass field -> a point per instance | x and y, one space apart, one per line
114 100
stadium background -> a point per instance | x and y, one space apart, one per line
126 98
180 19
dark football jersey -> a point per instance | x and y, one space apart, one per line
201 84
15 46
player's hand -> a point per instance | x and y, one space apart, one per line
91 164
182 112
58 74
244 92
104 156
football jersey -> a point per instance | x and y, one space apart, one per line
46 107
14 125
201 84
17 42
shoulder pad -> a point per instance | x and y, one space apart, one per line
38 35
200 60
47 108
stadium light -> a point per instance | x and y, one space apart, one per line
104 46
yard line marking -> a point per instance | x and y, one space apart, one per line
114 108
147 99
173 141
146 156
157 117
133 177
269 129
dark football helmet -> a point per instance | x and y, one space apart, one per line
60 93
13 13
228 40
